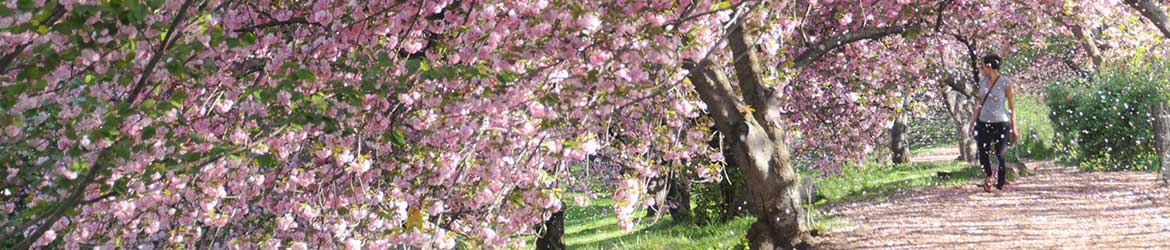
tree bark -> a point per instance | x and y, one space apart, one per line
899 153
554 233
767 171
680 198
899 149
764 152
959 107
756 133
1162 138
967 106
1152 12
959 110
817 50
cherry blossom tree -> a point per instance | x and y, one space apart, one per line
278 124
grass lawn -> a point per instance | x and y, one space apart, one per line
595 227
1035 130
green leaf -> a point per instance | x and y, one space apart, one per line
304 74
384 60
414 65
179 96
721 5
319 100
398 138
505 77
148 132
122 149
137 11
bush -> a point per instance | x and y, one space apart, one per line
1105 123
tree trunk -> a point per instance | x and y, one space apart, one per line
680 198
756 132
554 233
899 152
757 144
959 110
967 145
1152 12
967 106
1162 138
766 169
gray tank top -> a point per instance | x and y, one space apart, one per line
994 109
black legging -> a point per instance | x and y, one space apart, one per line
989 135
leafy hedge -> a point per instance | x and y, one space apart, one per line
1105 123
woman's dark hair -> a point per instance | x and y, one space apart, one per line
992 60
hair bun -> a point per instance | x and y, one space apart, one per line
992 60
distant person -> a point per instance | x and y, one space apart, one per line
993 125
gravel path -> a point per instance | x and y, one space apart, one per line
1056 208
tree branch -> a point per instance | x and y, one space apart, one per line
812 53
1154 13
290 21
91 175
166 42
938 19
7 59
1086 39
715 90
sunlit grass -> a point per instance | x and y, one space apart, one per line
1035 130
870 180
595 227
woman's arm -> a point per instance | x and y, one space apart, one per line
1009 92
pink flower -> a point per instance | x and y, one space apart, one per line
88 56
590 146
360 166
589 22
353 244
64 143
308 212
413 45
12 130
224 105
581 200
299 246
123 210
286 222
46 238
442 241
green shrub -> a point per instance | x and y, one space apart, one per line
1104 123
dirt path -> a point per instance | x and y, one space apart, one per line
1056 208
938 154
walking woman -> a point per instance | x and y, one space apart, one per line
994 126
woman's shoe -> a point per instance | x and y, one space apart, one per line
987 182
